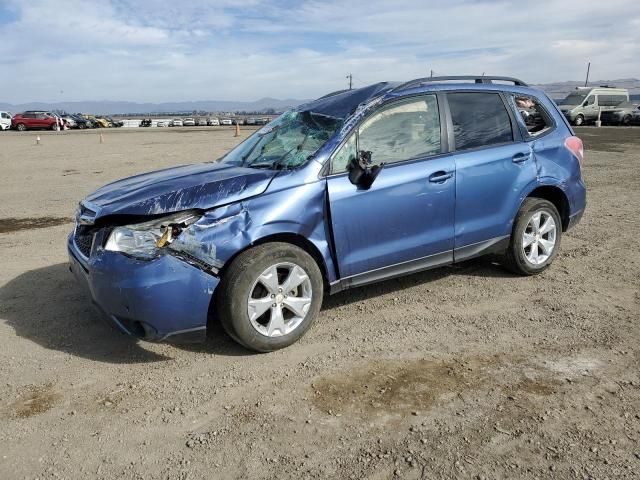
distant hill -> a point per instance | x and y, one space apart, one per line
112 108
557 90
561 89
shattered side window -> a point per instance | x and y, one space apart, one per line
344 155
402 131
287 142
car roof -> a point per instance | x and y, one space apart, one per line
343 103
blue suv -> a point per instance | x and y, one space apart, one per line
353 188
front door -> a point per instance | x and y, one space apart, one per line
404 221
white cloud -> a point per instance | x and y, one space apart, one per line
162 51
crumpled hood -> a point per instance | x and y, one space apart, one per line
203 186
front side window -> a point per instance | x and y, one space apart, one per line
479 120
398 132
287 142
591 100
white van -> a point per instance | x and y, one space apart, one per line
583 104
5 120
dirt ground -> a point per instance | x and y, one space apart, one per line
462 372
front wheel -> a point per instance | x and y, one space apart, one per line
269 296
626 120
536 237
21 127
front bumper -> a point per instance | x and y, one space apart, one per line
157 300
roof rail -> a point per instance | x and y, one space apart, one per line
475 78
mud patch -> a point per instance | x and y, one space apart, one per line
540 387
398 388
16 224
34 401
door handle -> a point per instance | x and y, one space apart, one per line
521 157
440 177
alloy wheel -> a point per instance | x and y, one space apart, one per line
539 237
279 299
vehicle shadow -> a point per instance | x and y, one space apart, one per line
486 267
48 307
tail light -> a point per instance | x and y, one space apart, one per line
575 146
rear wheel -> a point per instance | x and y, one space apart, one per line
269 296
536 237
579 121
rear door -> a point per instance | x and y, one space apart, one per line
404 221
493 165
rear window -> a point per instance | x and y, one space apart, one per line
479 120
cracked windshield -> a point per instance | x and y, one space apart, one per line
287 142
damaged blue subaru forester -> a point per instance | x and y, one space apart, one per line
355 187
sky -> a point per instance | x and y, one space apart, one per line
159 51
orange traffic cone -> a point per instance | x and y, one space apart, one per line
237 129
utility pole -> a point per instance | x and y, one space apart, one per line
587 79
350 77
431 73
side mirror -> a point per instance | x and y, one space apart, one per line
361 171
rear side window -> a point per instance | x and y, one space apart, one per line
533 115
479 120
611 100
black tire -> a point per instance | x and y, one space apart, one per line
626 120
238 282
54 126
21 127
515 258
579 121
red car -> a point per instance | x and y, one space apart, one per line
35 120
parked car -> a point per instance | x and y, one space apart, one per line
213 121
620 115
226 121
90 121
32 120
635 117
161 123
102 122
70 121
146 122
5 120
583 105
201 122
114 123
189 122
347 190
176 122
77 121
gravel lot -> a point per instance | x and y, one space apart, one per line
462 372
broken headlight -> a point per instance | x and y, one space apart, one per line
144 240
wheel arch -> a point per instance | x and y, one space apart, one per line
296 239
555 195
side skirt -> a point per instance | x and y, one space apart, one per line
494 245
